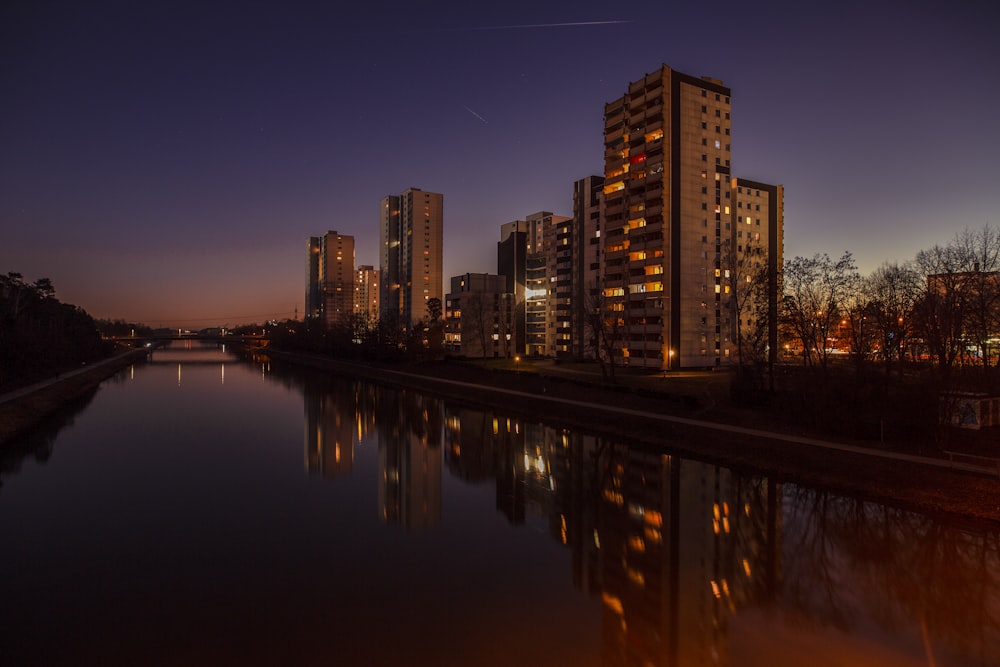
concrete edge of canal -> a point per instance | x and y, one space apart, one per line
26 408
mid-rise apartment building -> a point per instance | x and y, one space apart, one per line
479 316
330 278
411 245
541 228
670 222
759 221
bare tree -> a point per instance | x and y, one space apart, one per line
750 290
815 290
979 252
605 328
940 308
477 320
505 322
892 291
435 326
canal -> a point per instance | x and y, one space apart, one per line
203 509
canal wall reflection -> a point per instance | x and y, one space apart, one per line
692 563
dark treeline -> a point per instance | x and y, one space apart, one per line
361 337
39 335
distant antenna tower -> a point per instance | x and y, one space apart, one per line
296 313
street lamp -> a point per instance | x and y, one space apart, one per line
517 362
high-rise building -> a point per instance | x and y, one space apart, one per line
330 278
314 289
670 221
411 255
366 292
585 258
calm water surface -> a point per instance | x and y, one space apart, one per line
205 510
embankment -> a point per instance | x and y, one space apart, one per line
28 408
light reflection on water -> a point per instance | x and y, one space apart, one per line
205 510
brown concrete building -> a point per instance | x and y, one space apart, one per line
479 316
759 242
330 278
411 248
670 214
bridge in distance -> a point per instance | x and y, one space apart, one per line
164 337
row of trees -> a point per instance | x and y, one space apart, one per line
944 306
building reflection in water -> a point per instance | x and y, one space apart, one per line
696 564
691 563
339 413
329 434
409 458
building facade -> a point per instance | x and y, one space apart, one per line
411 248
512 265
479 316
670 237
542 229
366 292
330 279
759 221
586 261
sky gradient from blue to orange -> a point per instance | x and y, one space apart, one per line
164 162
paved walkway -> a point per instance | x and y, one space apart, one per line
729 428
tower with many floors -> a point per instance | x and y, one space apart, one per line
671 223
411 249
330 278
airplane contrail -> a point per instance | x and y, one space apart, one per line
486 122
547 25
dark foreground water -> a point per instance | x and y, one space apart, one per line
202 510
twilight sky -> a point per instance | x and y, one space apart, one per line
164 162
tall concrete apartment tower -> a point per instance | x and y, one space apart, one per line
366 292
668 208
330 278
411 252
